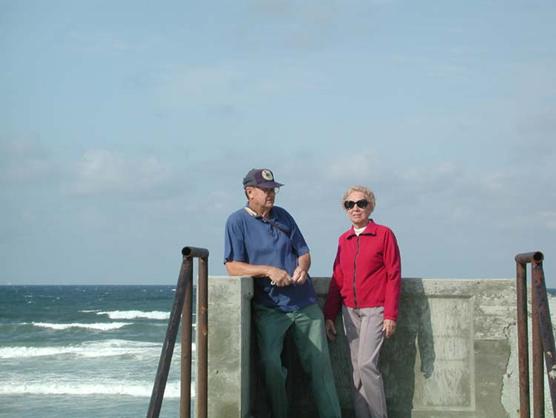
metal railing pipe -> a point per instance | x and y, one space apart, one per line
545 329
533 256
195 252
183 303
522 338
202 340
186 340
536 352
542 336
169 342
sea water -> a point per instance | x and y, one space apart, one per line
84 351
88 351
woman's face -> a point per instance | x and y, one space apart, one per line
358 216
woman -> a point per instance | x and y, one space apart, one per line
366 286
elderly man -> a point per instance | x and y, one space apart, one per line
263 241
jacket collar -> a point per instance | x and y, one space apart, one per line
369 230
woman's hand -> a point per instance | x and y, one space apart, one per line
389 327
330 329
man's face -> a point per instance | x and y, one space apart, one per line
261 198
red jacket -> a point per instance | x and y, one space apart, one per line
367 272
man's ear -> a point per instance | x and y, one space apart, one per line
247 191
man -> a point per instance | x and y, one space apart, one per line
263 241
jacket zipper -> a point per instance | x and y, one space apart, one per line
355 273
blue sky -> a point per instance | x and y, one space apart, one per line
126 128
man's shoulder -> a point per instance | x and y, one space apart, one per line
237 215
280 212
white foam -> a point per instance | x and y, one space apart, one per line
90 349
136 314
100 326
552 307
60 386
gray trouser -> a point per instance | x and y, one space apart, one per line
363 328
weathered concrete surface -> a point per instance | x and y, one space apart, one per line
229 338
453 355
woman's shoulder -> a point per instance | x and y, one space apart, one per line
381 229
346 234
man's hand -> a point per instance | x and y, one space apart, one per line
330 329
389 327
299 275
279 277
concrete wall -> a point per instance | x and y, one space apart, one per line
453 355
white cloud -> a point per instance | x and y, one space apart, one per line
353 167
235 85
101 172
24 162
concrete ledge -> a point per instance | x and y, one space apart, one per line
453 355
229 339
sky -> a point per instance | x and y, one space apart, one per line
126 128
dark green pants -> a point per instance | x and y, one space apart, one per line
310 339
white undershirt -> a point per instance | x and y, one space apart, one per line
359 230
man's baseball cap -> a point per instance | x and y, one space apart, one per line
260 177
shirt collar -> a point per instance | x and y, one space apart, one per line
255 214
250 211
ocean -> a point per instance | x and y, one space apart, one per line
88 351
84 351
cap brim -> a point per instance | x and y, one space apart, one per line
269 184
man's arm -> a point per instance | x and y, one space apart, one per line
303 265
238 268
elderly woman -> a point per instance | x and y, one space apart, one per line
366 286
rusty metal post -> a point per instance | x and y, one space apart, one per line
186 338
522 339
537 353
202 340
182 307
545 327
542 336
169 343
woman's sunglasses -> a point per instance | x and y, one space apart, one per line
349 204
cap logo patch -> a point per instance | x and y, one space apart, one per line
267 175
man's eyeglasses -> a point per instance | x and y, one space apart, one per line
349 204
274 190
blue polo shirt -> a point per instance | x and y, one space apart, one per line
276 241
